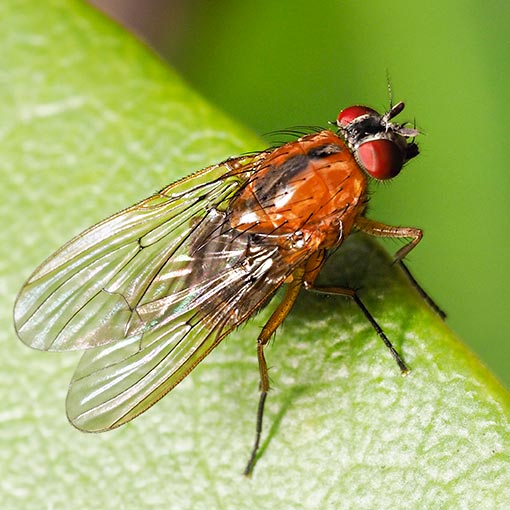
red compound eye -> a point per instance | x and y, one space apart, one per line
347 115
382 159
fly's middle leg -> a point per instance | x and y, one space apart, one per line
312 270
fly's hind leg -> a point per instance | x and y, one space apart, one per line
377 229
278 316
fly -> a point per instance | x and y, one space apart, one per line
150 291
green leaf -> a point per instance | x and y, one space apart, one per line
91 121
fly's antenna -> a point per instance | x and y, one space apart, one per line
390 91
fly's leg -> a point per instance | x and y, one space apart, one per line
312 269
421 291
270 327
351 293
376 229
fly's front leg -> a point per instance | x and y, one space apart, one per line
278 316
377 229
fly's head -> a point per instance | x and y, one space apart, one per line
381 147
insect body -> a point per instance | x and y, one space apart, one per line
150 291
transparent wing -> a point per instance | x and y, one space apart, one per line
87 293
150 291
231 278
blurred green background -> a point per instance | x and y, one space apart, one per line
274 65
